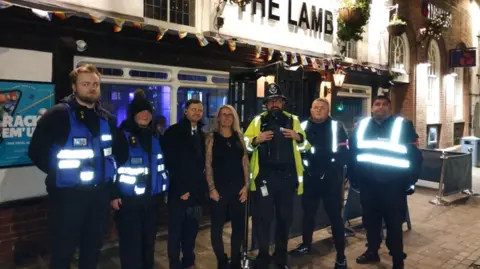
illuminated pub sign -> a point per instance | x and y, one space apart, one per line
310 17
463 57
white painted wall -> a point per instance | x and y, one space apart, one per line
374 46
127 7
33 66
264 30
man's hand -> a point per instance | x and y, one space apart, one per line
289 133
264 136
243 194
185 196
116 204
214 195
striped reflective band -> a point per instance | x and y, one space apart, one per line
383 160
164 187
75 154
133 171
159 156
69 164
160 167
87 175
106 137
127 179
392 145
139 191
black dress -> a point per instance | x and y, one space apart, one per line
228 175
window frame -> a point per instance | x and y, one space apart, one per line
175 26
458 94
406 53
433 89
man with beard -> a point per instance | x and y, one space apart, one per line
78 146
323 177
385 167
275 139
184 147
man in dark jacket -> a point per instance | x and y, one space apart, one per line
74 144
385 166
323 177
185 159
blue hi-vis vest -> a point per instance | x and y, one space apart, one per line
387 152
334 130
84 159
141 167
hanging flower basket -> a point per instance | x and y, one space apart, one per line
397 29
350 14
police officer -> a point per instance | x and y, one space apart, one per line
276 140
139 183
323 177
74 143
385 166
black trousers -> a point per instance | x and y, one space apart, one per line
329 190
281 187
137 231
387 201
78 217
230 204
182 233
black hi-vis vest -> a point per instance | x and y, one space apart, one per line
279 150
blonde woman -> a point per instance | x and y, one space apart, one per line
227 171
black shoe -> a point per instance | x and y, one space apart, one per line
339 264
398 265
368 257
283 266
301 250
223 263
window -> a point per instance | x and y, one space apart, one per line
351 49
398 54
458 99
116 97
433 91
458 128
173 11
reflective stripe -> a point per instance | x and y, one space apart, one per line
132 171
106 137
302 147
164 175
305 162
247 144
300 179
75 154
392 145
334 136
160 167
86 175
333 160
164 187
146 171
127 179
139 191
383 160
303 125
159 156
312 149
68 164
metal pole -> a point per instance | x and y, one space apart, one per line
245 261
439 199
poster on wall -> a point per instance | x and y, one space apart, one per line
21 106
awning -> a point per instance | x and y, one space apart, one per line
68 8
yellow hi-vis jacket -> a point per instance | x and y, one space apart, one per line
253 131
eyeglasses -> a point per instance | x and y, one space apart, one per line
226 115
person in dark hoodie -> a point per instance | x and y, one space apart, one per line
185 159
76 143
138 186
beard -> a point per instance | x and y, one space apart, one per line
88 99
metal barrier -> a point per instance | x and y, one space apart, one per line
451 170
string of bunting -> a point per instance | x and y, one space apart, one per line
291 58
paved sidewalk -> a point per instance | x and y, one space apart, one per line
442 237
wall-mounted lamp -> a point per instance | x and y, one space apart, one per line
339 78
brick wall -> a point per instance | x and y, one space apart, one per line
24 231
410 101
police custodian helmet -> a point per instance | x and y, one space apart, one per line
273 91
